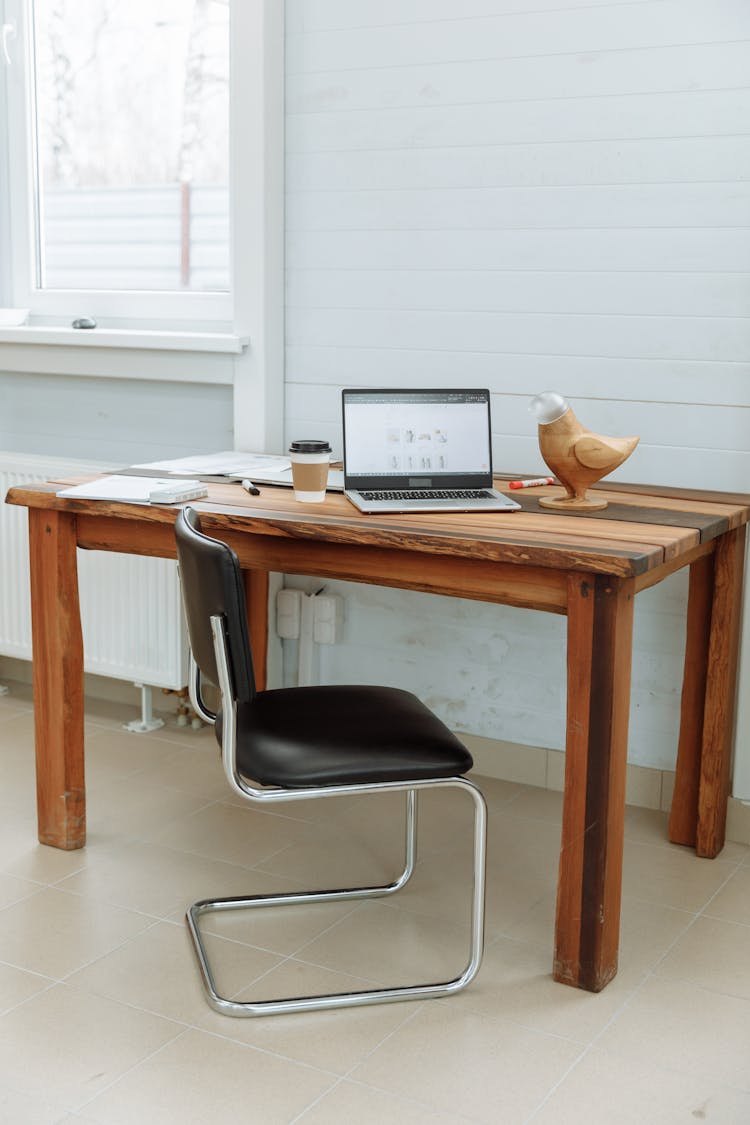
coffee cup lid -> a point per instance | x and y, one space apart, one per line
310 446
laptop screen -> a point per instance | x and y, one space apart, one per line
417 439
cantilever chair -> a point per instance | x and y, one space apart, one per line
296 743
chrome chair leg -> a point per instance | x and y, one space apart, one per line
368 996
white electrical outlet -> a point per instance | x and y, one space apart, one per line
328 614
288 604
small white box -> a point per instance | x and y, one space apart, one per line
175 491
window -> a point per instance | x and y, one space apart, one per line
118 158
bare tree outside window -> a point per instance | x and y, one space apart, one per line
132 104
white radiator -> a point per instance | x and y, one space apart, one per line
131 613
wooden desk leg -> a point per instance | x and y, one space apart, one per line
256 598
600 636
58 679
683 819
699 805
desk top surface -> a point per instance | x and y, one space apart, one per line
642 529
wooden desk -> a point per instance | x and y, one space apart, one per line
587 567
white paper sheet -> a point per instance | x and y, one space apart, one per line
231 462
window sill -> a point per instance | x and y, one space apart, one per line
222 342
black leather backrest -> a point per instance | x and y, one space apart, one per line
211 582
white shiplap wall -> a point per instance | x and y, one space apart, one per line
525 200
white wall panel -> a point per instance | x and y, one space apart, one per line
714 249
632 205
688 159
707 338
705 66
594 292
645 381
525 200
317 15
614 27
533 122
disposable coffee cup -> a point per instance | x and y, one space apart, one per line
310 461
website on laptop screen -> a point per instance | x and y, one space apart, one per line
400 433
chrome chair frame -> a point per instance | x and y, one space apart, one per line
271 795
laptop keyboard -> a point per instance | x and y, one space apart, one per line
430 494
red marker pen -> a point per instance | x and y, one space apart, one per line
531 483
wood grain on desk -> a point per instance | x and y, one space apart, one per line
639 532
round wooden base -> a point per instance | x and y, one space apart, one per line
572 503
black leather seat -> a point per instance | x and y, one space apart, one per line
292 743
302 737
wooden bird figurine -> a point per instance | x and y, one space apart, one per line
576 456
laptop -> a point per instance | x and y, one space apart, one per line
420 451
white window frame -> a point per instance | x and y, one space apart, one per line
256 38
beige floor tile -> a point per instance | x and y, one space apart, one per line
682 1027
391 946
461 1062
13 889
235 835
54 933
331 855
18 843
157 971
446 822
334 1041
135 809
537 804
71 1045
159 880
639 1094
732 852
17 985
535 924
116 754
281 929
732 903
195 770
18 697
17 764
647 931
41 864
671 876
712 954
242 1084
17 732
515 983
534 841
441 888
646 826
350 1101
24 1109
498 793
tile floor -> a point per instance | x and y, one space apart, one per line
102 1020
